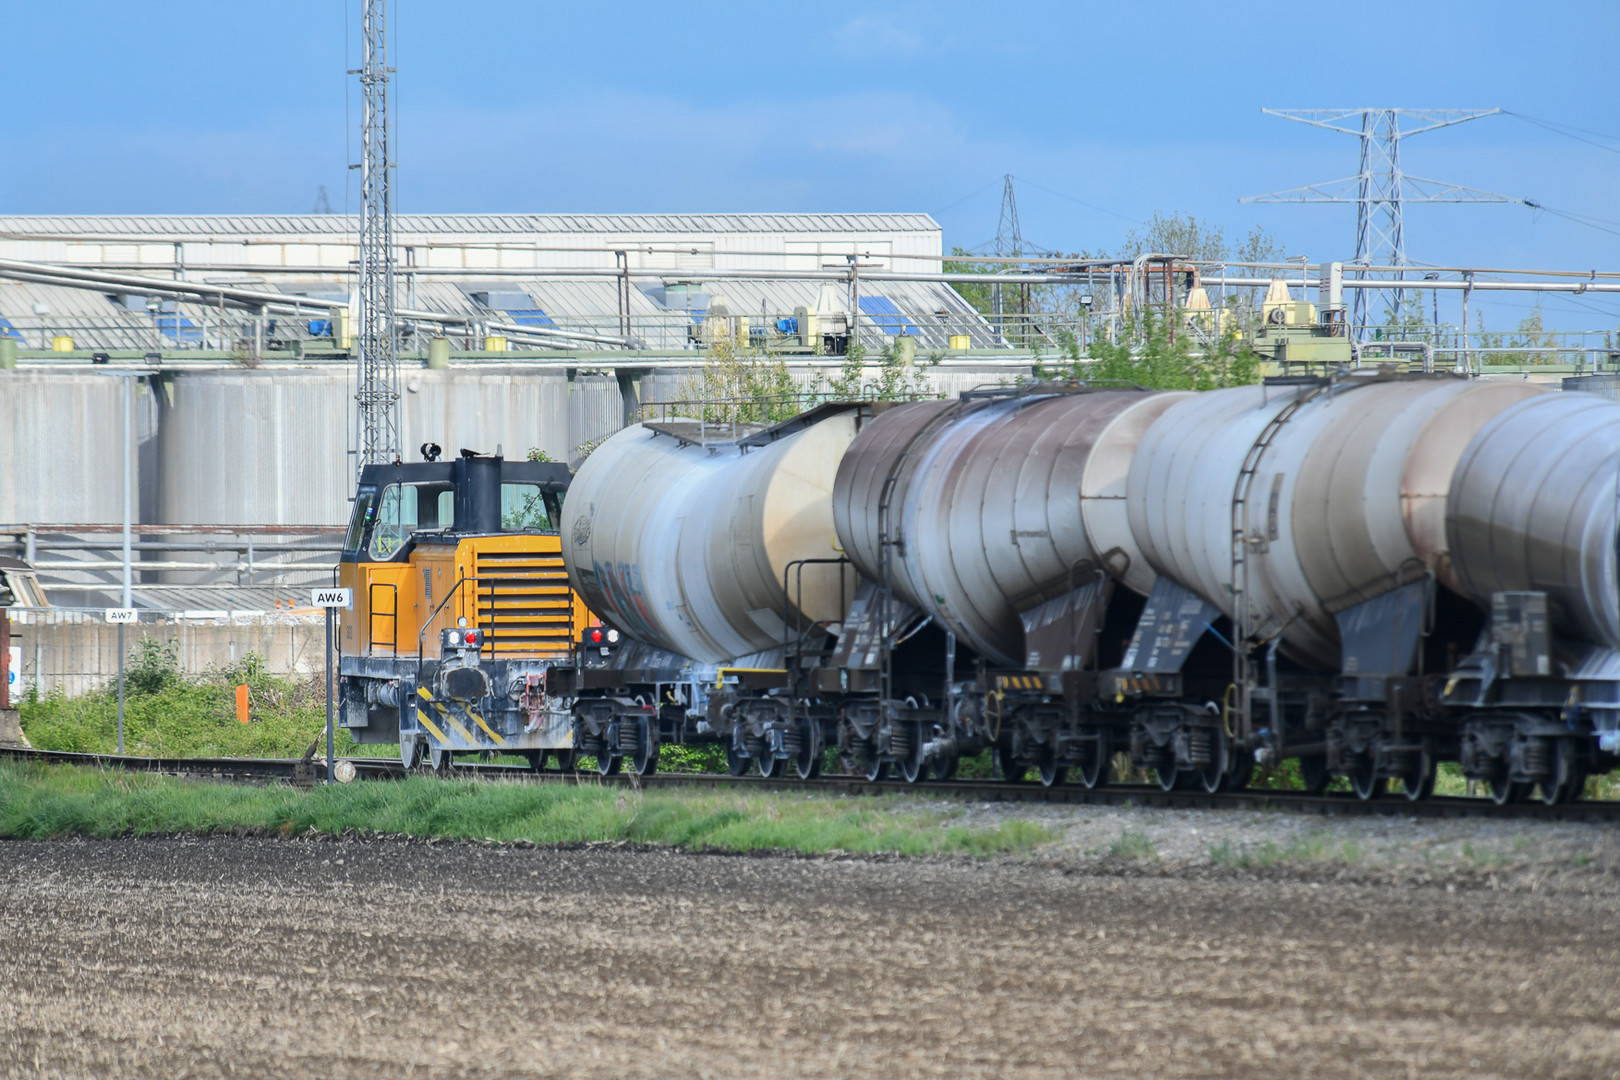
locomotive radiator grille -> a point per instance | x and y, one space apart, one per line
524 603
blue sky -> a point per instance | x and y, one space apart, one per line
1104 112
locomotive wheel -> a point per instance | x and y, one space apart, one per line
1568 778
1094 770
770 766
737 761
944 768
1012 772
536 760
568 760
1212 777
442 760
1167 775
410 752
1420 776
876 769
1365 781
1313 773
608 763
1051 773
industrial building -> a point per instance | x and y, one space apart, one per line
557 326
646 281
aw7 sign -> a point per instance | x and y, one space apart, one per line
333 598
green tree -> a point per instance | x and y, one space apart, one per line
743 386
1149 356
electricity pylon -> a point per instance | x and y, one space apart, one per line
1380 189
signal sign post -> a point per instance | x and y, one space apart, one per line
331 600
121 617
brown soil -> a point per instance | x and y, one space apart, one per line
259 957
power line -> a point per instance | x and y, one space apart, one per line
1579 219
1567 131
965 198
1081 202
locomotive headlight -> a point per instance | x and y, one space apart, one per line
613 636
455 638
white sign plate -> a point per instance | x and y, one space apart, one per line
333 598
121 615
14 671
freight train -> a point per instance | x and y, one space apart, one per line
1369 574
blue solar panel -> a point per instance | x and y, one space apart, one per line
530 317
887 317
182 329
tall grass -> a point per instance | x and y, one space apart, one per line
168 713
40 801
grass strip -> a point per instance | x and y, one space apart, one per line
43 801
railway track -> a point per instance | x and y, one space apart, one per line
312 770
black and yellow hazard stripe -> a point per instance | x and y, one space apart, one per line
429 709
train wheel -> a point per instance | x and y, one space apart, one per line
944 768
441 759
912 769
1420 774
876 769
608 763
410 752
1212 777
1051 773
568 760
1167 776
1237 777
1094 769
1505 791
1011 771
1568 777
1365 781
737 761
812 750
1313 773
770 766
645 760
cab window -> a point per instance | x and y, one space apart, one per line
528 508
361 521
403 509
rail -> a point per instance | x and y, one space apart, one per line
298 770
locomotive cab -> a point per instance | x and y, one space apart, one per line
461 603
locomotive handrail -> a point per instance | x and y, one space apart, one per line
421 636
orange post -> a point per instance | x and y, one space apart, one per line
241 704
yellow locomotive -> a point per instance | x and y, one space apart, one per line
461 603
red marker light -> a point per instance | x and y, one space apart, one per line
596 636
472 637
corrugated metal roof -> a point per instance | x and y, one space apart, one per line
157 227
934 311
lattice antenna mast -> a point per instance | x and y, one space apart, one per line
377 384
1381 189
1009 240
